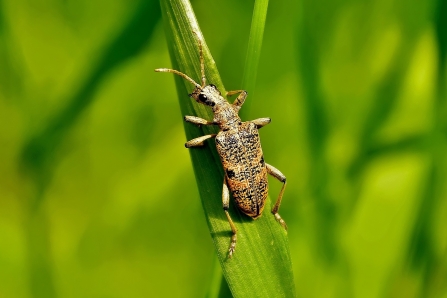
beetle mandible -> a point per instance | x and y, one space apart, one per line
239 149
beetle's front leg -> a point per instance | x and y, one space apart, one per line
198 121
226 205
280 176
239 101
198 141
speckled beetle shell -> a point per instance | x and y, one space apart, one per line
242 159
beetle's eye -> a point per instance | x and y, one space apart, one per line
214 86
202 97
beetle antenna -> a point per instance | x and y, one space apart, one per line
202 62
180 74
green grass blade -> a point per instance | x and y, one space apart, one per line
261 266
254 49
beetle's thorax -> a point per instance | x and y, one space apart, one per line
226 116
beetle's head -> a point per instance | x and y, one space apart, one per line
208 95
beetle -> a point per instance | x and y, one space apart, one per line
239 148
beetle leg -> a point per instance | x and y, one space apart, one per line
226 205
280 176
239 101
231 93
198 141
260 122
198 121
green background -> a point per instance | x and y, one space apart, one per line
97 193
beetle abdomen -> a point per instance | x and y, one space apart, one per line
243 162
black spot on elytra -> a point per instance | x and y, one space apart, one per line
230 173
262 160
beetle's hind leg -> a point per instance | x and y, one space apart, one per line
198 141
280 176
226 205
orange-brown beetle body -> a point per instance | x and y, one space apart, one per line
246 174
239 149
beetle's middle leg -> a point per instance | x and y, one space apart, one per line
198 141
261 122
280 176
226 205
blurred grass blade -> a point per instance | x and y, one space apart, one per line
38 153
261 266
254 50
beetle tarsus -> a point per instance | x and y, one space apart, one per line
232 246
280 220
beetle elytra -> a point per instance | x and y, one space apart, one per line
239 149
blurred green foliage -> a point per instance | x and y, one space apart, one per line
97 192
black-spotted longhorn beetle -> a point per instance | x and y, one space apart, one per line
239 148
